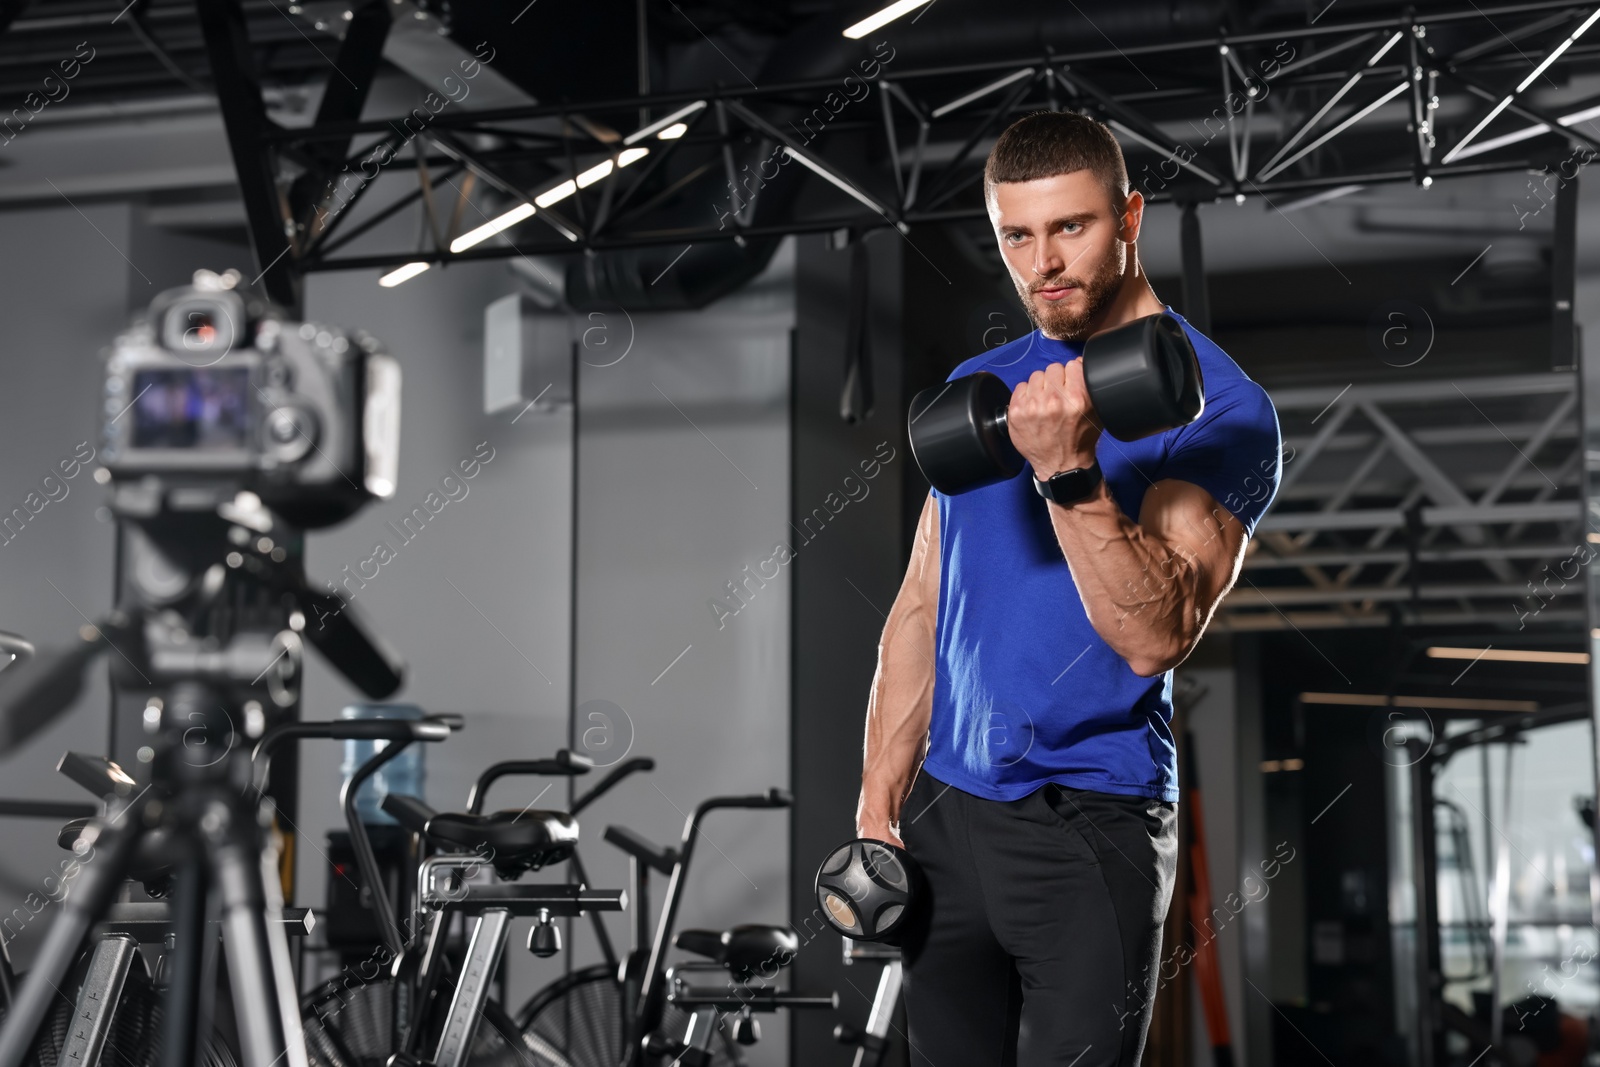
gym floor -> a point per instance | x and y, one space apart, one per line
695 496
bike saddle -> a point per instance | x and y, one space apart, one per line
152 859
512 841
746 951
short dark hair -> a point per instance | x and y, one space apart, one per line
1047 143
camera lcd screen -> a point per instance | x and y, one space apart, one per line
204 409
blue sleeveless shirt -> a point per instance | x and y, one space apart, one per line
1027 692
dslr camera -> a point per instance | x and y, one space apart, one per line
214 393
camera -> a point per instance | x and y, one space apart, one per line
214 392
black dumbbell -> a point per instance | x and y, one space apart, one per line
869 890
1143 379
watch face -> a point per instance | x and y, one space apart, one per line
1068 487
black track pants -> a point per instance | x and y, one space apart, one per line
1041 944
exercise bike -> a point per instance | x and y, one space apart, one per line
418 1005
646 1013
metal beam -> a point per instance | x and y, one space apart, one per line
1303 457
1268 174
222 22
1529 449
1375 45
1517 107
1355 440
1394 518
1262 560
1422 96
1567 470
1299 597
1441 488
809 159
1511 96
343 97
1387 482
861 221
1256 621
1124 118
491 176
1564 277
1353 78
950 182
1315 398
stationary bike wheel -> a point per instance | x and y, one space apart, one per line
352 1024
577 1021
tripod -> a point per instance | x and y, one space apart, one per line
215 838
207 629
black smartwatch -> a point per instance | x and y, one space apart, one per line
1069 487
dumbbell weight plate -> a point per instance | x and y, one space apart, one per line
1143 378
958 435
868 890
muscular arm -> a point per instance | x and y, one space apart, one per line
1150 587
901 700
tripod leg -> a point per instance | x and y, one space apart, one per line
266 1009
181 1025
97 887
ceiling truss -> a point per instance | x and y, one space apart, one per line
1374 89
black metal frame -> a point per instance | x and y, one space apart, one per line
292 238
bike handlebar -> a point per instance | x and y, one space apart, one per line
565 765
429 729
772 798
604 786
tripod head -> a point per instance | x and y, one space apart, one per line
214 593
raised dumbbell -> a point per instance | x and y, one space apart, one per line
1143 378
869 890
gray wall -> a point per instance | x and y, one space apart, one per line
682 478
67 283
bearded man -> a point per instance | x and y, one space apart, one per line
1018 736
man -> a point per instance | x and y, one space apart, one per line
1027 663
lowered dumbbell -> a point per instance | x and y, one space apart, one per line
1143 378
870 890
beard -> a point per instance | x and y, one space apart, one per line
1059 320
